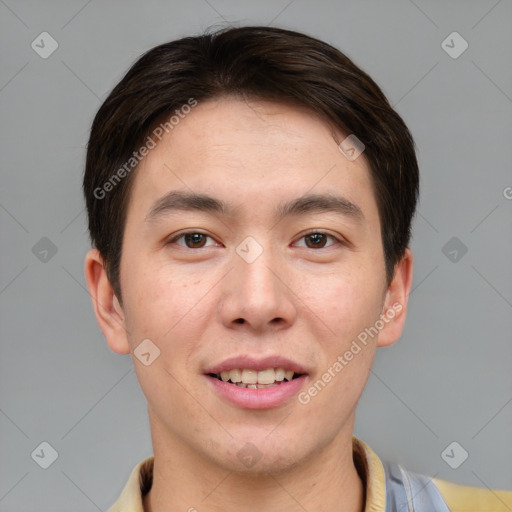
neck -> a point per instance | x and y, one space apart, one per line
185 480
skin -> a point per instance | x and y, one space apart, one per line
298 300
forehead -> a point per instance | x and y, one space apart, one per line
255 153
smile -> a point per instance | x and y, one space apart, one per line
252 379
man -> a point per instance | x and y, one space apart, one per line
250 196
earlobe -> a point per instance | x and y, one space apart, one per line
395 304
108 311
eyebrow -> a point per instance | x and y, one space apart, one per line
312 203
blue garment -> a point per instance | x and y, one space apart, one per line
407 491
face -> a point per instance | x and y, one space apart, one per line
279 265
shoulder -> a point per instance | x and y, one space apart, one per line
390 486
462 498
138 484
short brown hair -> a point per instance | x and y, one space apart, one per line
251 62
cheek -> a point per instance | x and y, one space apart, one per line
162 310
348 306
157 300
346 302
170 309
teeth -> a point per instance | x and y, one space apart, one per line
279 374
235 376
251 378
266 376
256 386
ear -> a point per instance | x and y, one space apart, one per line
109 314
395 303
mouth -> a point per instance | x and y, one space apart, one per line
254 379
250 383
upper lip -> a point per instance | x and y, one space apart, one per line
256 364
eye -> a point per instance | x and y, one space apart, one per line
191 240
317 240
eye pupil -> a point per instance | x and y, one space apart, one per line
195 239
316 239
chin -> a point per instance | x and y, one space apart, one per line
263 457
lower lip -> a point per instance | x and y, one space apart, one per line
263 398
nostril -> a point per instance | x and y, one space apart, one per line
239 320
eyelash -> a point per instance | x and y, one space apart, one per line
175 238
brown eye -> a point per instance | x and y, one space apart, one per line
316 240
191 240
195 240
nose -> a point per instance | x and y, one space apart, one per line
258 295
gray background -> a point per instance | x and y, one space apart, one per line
448 379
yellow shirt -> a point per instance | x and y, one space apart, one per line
459 498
